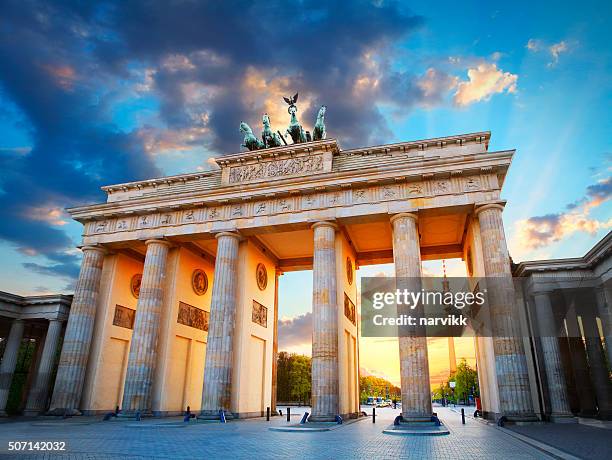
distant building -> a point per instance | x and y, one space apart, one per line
31 331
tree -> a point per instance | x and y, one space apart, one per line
293 377
376 386
465 379
300 377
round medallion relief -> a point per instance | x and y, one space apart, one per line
135 284
199 282
262 276
349 271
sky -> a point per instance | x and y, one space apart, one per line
96 93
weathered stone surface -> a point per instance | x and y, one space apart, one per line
414 366
9 361
217 390
143 347
552 360
39 391
510 362
324 324
77 339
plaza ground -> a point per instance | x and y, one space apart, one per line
88 437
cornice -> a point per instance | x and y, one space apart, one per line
417 169
601 249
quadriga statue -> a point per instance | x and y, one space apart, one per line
250 141
270 138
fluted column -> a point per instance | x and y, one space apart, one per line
604 310
9 361
79 330
510 361
597 367
39 392
277 273
324 324
555 377
414 365
217 389
142 358
580 366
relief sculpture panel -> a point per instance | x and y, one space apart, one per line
288 167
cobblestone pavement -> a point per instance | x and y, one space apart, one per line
584 441
252 439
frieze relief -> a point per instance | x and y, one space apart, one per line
278 168
287 204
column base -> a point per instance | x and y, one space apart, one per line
522 419
563 418
63 412
416 418
605 415
322 418
3 413
208 415
32 412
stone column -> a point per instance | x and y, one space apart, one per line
324 324
217 389
9 361
142 358
583 384
604 311
277 273
79 330
39 391
598 367
510 361
555 377
414 365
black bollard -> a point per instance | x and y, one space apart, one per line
462 416
288 414
373 414
267 414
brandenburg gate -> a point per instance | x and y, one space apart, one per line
176 303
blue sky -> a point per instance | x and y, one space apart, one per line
100 93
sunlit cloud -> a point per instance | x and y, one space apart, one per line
553 50
63 75
541 231
484 81
295 331
50 215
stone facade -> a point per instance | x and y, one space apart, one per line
306 206
36 322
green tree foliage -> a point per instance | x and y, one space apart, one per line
465 379
300 378
293 377
376 386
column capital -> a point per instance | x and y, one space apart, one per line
493 205
412 215
94 247
158 241
233 234
325 223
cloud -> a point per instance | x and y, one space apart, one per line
540 231
295 331
533 45
47 71
484 81
554 50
